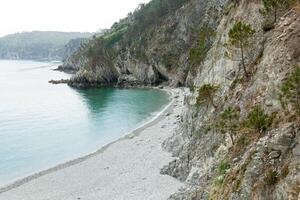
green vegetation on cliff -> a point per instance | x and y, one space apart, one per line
136 23
204 41
290 91
258 120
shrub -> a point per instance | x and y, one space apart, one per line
205 94
271 177
229 122
290 91
192 88
257 119
239 36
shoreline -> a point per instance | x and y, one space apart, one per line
127 136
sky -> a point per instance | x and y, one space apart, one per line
62 15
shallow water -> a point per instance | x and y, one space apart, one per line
42 124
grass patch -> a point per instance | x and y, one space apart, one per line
222 169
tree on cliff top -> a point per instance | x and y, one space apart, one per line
239 36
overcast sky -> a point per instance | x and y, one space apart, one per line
62 15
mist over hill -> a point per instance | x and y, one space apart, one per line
40 45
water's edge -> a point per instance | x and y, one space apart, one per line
129 135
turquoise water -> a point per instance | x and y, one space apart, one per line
42 124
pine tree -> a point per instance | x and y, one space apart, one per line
272 6
239 36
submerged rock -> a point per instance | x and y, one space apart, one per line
61 81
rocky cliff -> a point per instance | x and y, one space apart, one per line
239 135
251 163
150 46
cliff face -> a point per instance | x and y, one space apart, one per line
254 153
256 164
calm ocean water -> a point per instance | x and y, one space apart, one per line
42 124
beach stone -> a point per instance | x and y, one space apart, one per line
131 136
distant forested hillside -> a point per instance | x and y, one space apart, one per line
40 45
